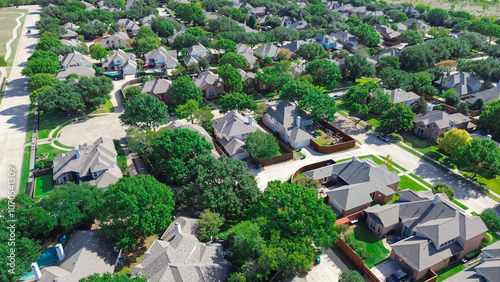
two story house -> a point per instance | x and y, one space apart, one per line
210 84
402 96
120 61
347 40
232 130
160 58
268 50
76 63
435 230
327 41
119 39
159 89
464 83
129 25
288 120
435 123
353 185
375 60
93 163
389 35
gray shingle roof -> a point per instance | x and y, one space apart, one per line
487 95
119 55
294 45
441 118
199 50
233 124
490 269
286 114
207 78
118 35
156 87
86 253
400 96
170 56
128 24
463 82
267 50
493 250
181 257
388 52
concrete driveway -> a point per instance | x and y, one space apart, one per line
385 269
15 104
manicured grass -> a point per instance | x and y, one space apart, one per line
449 271
493 184
365 80
408 183
63 146
409 150
106 108
44 184
298 155
48 149
49 120
296 61
419 144
456 202
495 237
9 22
376 160
370 242
421 180
25 170
373 122
395 164
29 126
324 139
54 135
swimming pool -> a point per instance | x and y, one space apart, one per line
48 258
112 73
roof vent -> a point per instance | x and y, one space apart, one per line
436 199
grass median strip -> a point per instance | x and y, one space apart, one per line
456 202
421 180
25 171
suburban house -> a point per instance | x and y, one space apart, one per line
402 27
71 42
327 41
432 124
198 51
410 12
194 127
210 84
347 40
298 25
375 60
420 24
88 6
85 254
119 39
489 269
232 130
463 82
389 35
160 58
90 163
353 185
129 4
77 63
147 20
401 96
130 26
258 11
268 50
158 88
179 256
120 61
251 59
246 78
70 34
340 63
294 45
434 229
487 95
331 5
242 48
289 122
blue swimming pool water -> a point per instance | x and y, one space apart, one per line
48 258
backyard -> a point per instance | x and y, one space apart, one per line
366 244
43 185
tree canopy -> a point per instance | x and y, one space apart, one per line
443 188
233 59
144 111
324 73
95 90
295 90
190 13
399 117
320 107
262 145
310 51
184 89
481 156
452 139
61 96
490 118
357 66
231 77
237 101
209 225
367 35
39 80
356 98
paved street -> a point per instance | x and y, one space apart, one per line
15 104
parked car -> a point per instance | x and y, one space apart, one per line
337 96
384 138
29 31
397 276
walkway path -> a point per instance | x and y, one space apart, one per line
8 50
15 105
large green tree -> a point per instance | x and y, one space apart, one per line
452 139
411 37
112 277
295 90
443 188
41 62
481 156
490 118
39 80
393 78
273 77
209 225
141 141
135 207
61 96
320 107
237 101
173 149
311 51
183 89
47 42
367 35
399 117
190 13
233 59
351 276
231 77
324 72
97 52
380 102
262 145
95 90
221 185
357 66
356 98
491 219
144 111
226 45
295 223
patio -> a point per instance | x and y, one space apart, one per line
385 269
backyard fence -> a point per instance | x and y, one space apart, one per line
274 160
351 254
311 167
43 171
432 276
347 141
128 83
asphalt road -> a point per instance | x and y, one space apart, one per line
15 105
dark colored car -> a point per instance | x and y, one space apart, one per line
384 138
397 276
29 31
337 96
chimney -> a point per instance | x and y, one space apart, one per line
297 122
177 228
354 158
60 252
107 57
77 152
429 108
249 120
36 271
436 199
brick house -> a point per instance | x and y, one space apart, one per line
433 124
210 84
434 229
159 89
117 40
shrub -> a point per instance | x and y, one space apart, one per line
487 238
364 254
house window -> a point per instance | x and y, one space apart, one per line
211 93
433 127
420 131
119 41
372 225
325 180
379 228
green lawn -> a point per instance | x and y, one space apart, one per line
366 80
49 120
106 108
59 130
377 160
43 185
493 184
62 145
29 127
421 180
449 271
456 202
373 122
8 16
395 164
48 149
25 170
408 183
324 139
495 237
419 144
370 242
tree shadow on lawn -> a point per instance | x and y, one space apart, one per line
363 234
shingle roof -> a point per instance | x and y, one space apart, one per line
493 250
182 257
169 55
400 96
267 50
294 45
156 87
206 78
462 82
118 35
490 269
286 114
387 31
128 24
389 52
198 50
235 146
233 124
246 75
242 48
487 95
71 42
119 55
86 253
441 118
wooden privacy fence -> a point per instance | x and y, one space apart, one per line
351 254
347 141
432 276
43 171
278 159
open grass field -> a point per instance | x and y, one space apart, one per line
8 19
48 149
